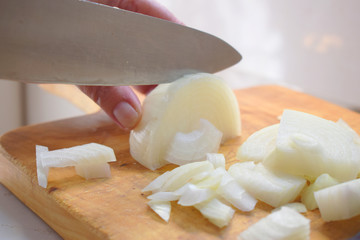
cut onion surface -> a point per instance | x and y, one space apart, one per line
307 145
90 160
162 208
178 107
285 224
193 146
339 202
275 189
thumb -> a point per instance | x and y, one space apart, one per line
119 102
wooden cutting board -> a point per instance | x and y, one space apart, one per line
115 208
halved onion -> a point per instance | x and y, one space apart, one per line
193 146
280 225
275 189
309 146
340 201
178 107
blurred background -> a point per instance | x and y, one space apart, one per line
311 46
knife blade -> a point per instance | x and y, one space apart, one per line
85 43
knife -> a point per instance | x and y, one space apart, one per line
85 43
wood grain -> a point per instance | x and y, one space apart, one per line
115 208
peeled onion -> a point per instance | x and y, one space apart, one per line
178 107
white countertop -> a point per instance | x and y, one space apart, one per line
18 222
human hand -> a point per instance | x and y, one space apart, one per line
120 102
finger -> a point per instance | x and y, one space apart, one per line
147 7
119 102
145 89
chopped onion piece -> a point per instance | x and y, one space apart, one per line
259 145
179 176
216 211
162 208
90 160
340 201
346 126
178 107
307 195
42 172
308 145
157 183
192 195
83 154
217 159
285 224
232 192
273 189
212 181
299 207
164 196
96 170
193 146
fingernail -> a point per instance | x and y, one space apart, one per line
126 115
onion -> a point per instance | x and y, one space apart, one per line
42 172
273 189
280 225
90 160
216 212
307 145
340 201
217 159
193 146
192 195
178 107
307 195
162 208
299 207
259 145
232 192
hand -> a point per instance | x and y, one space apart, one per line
120 102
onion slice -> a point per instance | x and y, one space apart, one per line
178 107
275 189
307 195
216 211
340 201
280 225
161 208
90 160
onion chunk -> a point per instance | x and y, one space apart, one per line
90 161
339 202
280 225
